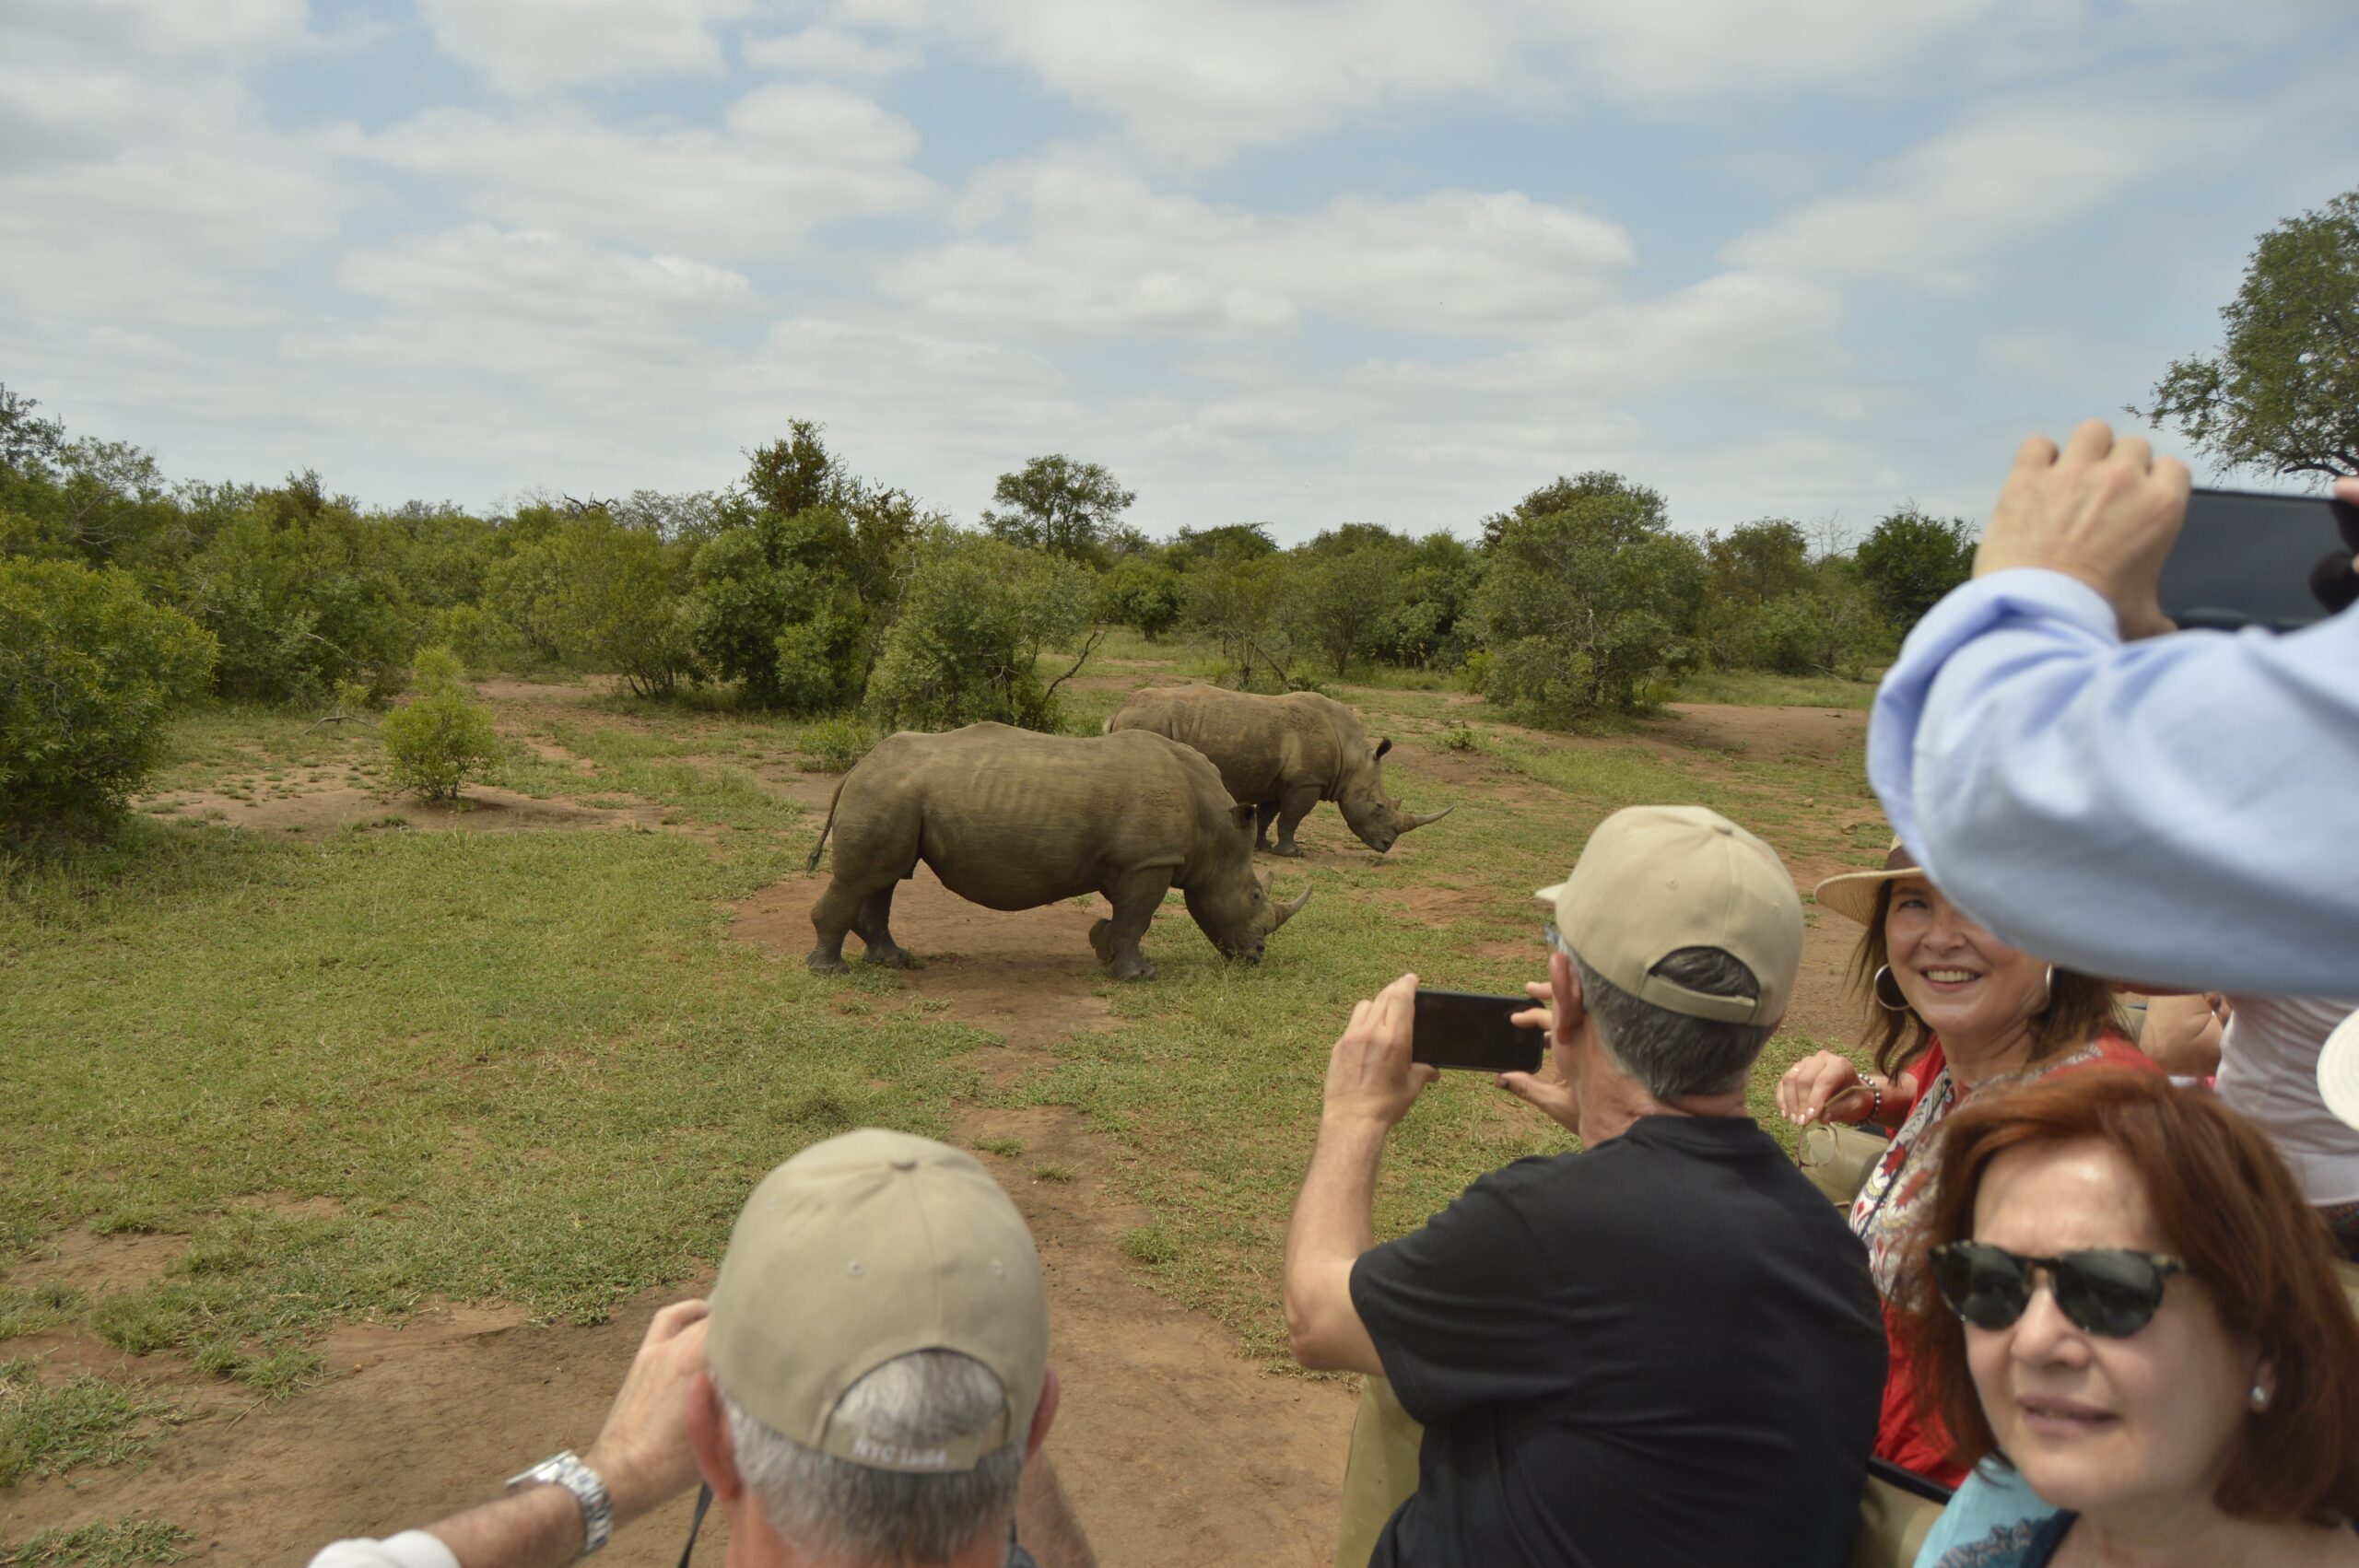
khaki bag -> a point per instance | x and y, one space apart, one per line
1380 1473
1837 1158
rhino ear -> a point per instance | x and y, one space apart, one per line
1243 818
1382 746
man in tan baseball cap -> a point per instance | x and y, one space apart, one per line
867 1387
879 1363
1588 1335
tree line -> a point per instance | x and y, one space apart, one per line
805 588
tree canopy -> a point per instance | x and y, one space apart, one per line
1058 505
2283 393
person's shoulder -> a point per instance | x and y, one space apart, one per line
2109 1049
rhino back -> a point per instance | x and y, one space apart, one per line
1262 744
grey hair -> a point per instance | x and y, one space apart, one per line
824 1506
1676 1054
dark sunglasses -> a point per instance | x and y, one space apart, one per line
2105 1291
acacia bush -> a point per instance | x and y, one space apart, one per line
443 737
1585 599
88 672
975 618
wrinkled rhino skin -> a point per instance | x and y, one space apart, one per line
1281 756
1012 820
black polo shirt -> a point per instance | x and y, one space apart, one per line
1665 1351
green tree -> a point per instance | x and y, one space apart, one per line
1347 599
1143 593
2283 393
621 602
88 672
1910 559
1058 505
1241 602
300 593
1585 595
772 605
976 618
441 737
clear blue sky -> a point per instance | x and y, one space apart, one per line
1300 262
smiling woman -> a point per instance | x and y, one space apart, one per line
1951 1009
2119 1291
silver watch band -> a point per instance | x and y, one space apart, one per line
566 1469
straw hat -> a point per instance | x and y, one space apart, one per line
1853 895
2339 1071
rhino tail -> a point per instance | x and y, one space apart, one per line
825 828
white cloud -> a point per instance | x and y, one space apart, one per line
1196 84
789 157
523 47
1099 252
830 51
217 30
1939 215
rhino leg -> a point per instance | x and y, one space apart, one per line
1264 813
1135 896
1292 807
831 916
872 921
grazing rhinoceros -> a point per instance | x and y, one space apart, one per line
1281 756
1012 820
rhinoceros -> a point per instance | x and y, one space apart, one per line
1012 820
1281 756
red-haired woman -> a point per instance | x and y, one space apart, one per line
2116 1291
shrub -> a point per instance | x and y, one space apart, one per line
1146 595
772 605
439 739
1585 598
975 619
835 743
88 671
1458 738
297 589
1910 560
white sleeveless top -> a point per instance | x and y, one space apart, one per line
2269 1070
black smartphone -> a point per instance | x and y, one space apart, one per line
2250 559
1469 1030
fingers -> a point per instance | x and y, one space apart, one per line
2037 453
1538 990
671 1321
1538 1018
2347 490
2089 442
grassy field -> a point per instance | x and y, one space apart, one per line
368 1068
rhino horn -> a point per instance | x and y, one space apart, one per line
1415 819
1286 912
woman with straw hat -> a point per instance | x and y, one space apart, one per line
1951 1009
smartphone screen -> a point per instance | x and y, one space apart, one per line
1469 1031
2245 558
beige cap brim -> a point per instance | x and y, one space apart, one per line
2339 1071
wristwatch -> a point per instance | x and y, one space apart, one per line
566 1469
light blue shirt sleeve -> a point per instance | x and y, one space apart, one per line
2180 810
1989 1521
411 1549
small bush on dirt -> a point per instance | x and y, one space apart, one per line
439 740
120 1542
834 745
88 671
1457 738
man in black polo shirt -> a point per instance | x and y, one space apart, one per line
1664 1350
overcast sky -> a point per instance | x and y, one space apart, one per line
1299 262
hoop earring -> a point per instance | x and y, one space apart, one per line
1875 987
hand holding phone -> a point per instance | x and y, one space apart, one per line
1472 1032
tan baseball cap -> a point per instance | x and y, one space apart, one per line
1655 879
866 1247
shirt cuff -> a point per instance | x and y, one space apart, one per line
2016 595
411 1549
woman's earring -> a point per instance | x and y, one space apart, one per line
2259 1398
1876 986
